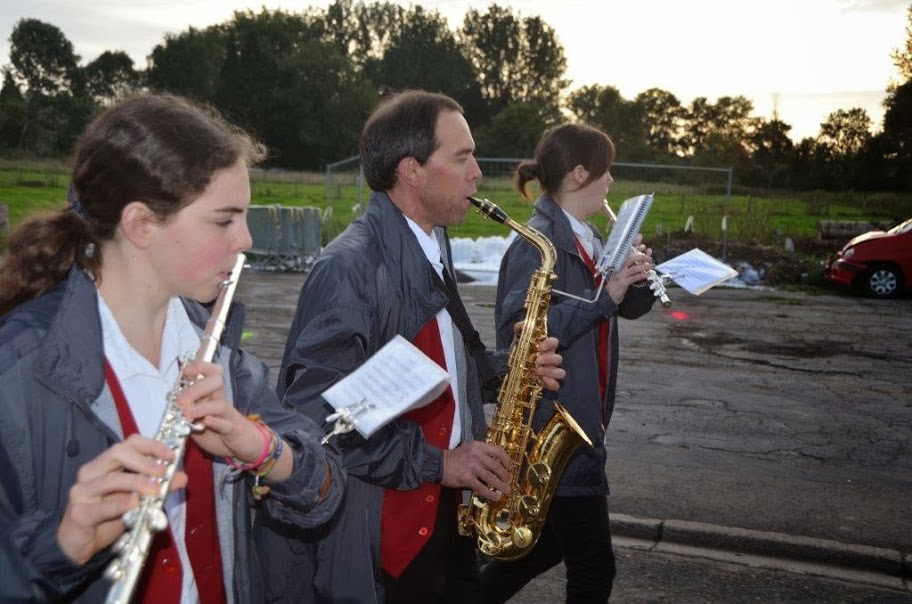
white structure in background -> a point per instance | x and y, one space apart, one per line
480 258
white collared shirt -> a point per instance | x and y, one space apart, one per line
584 235
146 388
431 249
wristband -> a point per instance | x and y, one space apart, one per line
268 435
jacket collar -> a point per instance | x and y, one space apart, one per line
401 251
563 236
70 359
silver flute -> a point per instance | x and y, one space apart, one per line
656 282
149 517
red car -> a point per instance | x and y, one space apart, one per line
878 263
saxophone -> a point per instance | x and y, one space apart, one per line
508 528
149 517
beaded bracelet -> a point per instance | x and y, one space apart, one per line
268 447
261 490
276 445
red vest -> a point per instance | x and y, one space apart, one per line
161 581
602 351
408 517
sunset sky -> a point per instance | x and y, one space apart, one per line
803 59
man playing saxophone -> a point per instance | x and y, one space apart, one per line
99 302
571 165
386 275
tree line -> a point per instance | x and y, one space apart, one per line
304 82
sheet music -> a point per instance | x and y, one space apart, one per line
696 271
399 377
630 219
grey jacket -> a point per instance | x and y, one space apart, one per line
575 324
371 283
57 413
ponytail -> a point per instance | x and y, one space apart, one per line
40 253
526 171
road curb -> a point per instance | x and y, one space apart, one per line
761 543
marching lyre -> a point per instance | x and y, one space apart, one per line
656 281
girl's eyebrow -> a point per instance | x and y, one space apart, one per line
231 210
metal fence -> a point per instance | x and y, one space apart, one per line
284 238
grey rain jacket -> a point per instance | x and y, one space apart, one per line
57 413
575 324
372 282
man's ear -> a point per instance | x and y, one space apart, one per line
409 171
137 222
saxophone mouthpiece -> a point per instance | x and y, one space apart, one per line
489 209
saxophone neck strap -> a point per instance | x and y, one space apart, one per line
470 335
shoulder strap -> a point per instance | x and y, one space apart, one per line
470 335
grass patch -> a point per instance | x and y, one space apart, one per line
751 218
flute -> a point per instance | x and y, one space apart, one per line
656 284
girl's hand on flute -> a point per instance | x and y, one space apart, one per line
106 488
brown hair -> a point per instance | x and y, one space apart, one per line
162 150
403 125
559 151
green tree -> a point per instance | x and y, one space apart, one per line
296 91
12 109
718 131
55 106
423 53
663 117
771 153
517 60
42 57
902 58
111 76
842 137
362 31
605 108
897 134
188 63
514 132
845 132
807 165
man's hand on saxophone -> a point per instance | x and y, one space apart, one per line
484 467
480 466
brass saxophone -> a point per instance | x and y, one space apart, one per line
508 528
149 517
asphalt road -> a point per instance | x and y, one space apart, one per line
740 414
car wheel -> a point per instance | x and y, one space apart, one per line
882 281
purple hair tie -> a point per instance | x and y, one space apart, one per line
73 200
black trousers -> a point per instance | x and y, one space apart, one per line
576 531
445 570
